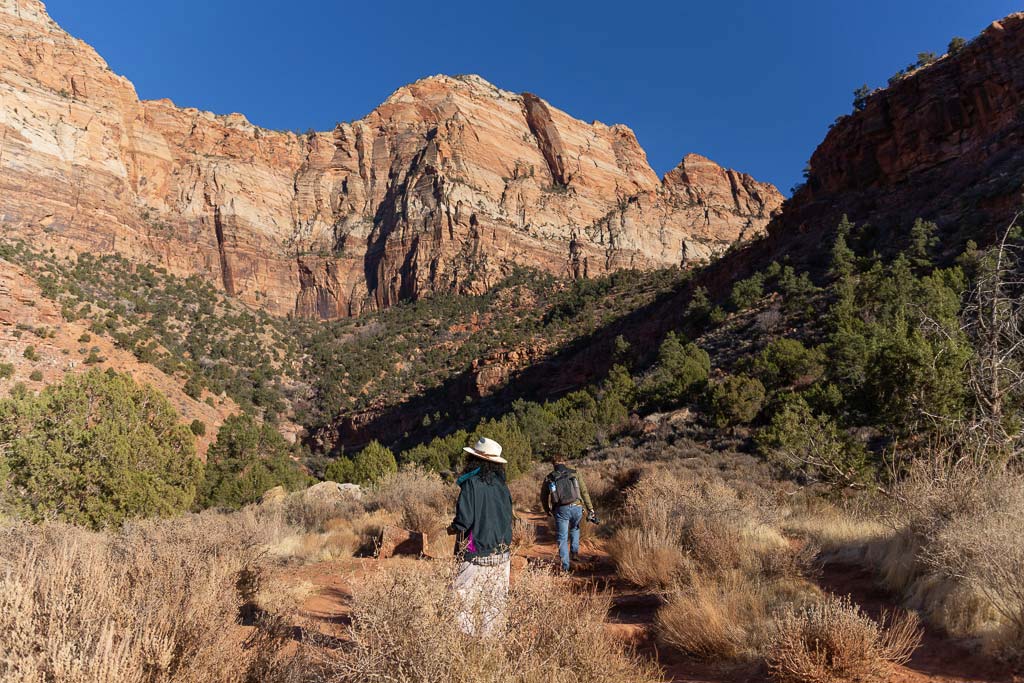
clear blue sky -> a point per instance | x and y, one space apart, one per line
751 84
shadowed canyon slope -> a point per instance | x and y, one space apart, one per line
444 187
944 143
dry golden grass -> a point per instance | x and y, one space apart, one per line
962 522
947 541
833 641
715 549
524 536
423 500
404 628
154 602
711 618
842 535
645 558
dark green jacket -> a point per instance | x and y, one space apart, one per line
483 516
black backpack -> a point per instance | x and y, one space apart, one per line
564 488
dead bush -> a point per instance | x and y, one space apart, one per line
404 628
524 535
155 602
727 614
834 641
670 521
425 502
713 617
310 511
957 554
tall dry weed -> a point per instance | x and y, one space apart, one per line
424 501
155 602
404 628
833 641
957 554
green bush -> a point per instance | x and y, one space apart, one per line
786 362
96 449
679 373
372 464
736 400
441 454
6 370
813 446
198 427
746 293
860 97
247 459
515 446
956 44
30 353
36 376
340 470
896 348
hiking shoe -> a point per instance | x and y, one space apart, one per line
574 556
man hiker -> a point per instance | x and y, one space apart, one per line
483 524
564 495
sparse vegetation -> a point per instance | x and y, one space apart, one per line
557 634
833 640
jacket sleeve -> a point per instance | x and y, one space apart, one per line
544 496
464 513
584 493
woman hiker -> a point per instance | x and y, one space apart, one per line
483 524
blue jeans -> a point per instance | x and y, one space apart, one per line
568 518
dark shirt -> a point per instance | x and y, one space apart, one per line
484 509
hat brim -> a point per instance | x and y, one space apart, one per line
486 456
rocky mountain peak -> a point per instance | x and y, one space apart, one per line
444 187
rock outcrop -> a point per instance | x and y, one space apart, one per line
444 187
944 143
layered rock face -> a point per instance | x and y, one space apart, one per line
945 143
444 187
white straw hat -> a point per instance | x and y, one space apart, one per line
486 449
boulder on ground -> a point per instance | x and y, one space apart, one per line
332 491
274 496
439 545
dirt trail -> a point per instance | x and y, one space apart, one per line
633 612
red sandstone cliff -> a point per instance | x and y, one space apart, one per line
445 186
945 143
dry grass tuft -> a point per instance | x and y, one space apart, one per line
150 603
709 619
423 500
524 536
713 547
833 641
404 628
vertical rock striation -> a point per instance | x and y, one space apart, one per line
445 186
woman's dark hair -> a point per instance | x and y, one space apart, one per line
488 470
